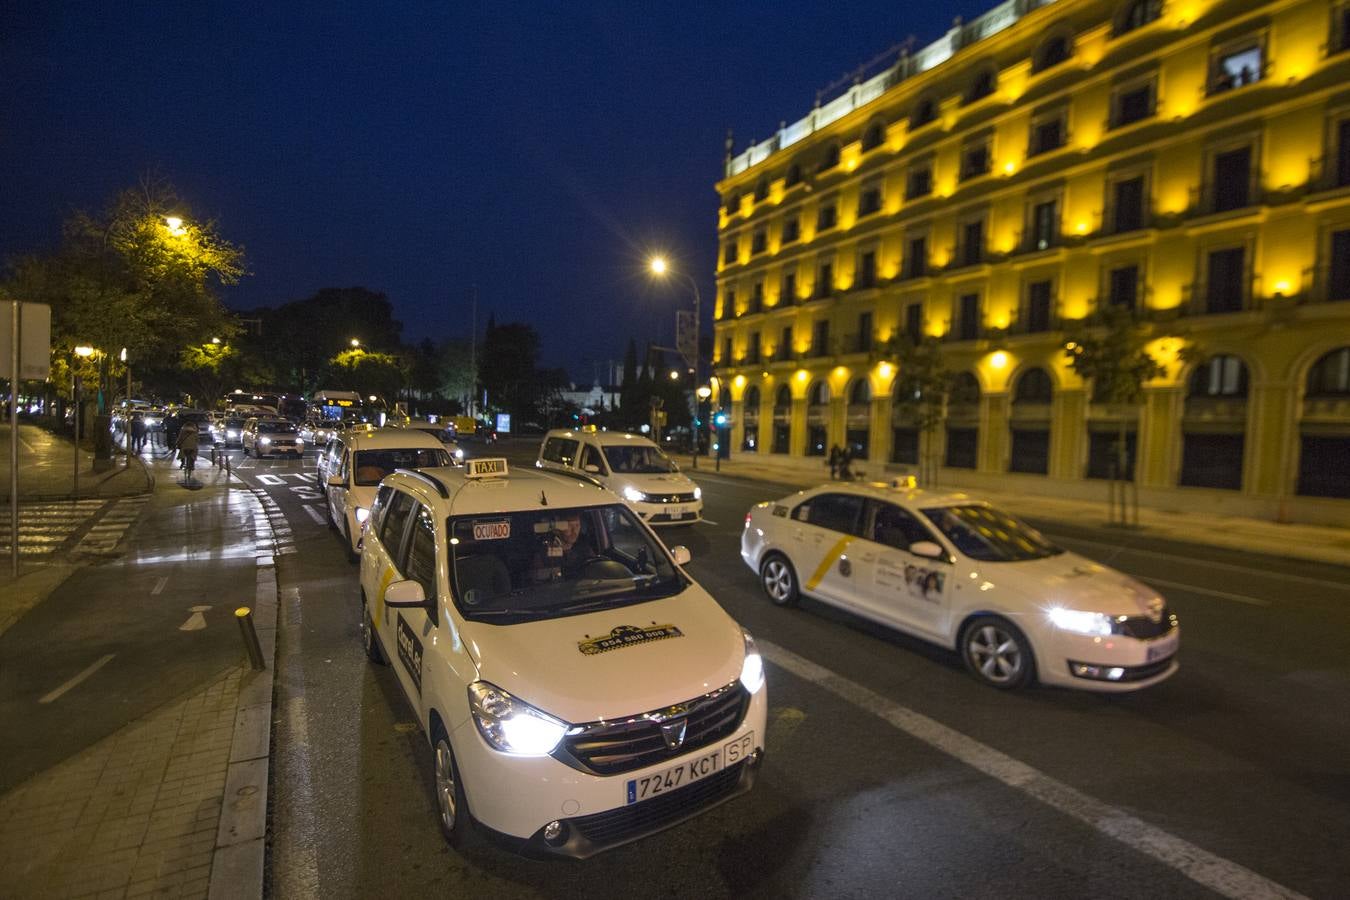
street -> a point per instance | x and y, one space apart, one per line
890 771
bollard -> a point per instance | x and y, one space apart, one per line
250 636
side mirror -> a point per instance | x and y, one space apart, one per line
404 595
592 468
336 481
681 554
927 549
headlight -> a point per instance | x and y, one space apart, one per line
362 514
1081 622
266 441
698 492
232 433
511 725
459 454
299 442
752 670
633 495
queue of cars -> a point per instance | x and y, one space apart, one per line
580 690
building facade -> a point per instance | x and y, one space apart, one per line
1186 160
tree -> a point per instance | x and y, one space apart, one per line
1112 357
922 386
209 366
368 372
457 374
507 367
300 337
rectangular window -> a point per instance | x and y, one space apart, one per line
1236 68
1232 179
1224 288
825 280
968 318
789 290
869 201
827 217
820 338
1322 471
919 183
726 352
729 254
1339 282
792 230
914 321
1128 204
975 161
1212 460
867 269
916 261
1044 225
421 566
1104 455
757 298
1133 105
1343 152
865 332
785 343
1038 306
1030 451
759 242
729 304
1123 287
905 445
1340 29
752 348
962 444
1046 136
972 243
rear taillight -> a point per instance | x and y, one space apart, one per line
748 516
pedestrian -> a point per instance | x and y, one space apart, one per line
187 445
835 455
137 433
845 457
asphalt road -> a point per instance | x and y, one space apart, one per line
890 771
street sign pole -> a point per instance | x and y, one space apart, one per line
15 348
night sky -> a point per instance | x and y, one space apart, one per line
536 150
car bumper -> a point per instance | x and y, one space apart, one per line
517 797
657 514
1112 664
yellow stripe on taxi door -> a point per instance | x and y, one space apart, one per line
387 577
835 552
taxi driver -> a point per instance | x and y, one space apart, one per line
562 551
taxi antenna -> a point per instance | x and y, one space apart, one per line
543 499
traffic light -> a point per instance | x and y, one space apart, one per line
721 420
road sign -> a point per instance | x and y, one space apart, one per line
35 344
684 335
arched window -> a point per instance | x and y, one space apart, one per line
983 85
873 136
818 395
782 401
1051 53
1033 387
1221 376
794 175
1330 375
1135 14
782 420
750 420
830 159
752 399
924 112
762 190
860 393
965 389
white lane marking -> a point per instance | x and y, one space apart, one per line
1214 872
709 522
1282 575
74 682
159 586
1236 598
314 514
196 621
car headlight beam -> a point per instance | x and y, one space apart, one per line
633 495
510 725
1080 621
698 492
752 668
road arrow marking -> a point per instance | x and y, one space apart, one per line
159 586
196 621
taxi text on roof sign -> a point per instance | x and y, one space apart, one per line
485 468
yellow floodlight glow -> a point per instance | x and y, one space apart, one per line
175 225
1009 167
885 369
801 375
1081 228
84 351
999 359
738 381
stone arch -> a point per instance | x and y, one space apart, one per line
1214 422
817 417
874 135
1324 426
1029 421
963 421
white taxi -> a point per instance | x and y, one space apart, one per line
629 465
579 690
962 573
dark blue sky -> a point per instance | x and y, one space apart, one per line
537 150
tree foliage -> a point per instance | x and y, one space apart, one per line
922 380
1113 358
368 372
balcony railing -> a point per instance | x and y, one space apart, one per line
1208 199
1197 298
754 306
1331 173
856 343
1327 285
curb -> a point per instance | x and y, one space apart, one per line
238 864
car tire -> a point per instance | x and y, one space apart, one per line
997 653
779 580
352 555
368 638
452 808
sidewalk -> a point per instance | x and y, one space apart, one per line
173 802
1315 543
47 469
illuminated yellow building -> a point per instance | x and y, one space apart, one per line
1186 159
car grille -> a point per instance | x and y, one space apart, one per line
611 748
670 498
618 825
1145 629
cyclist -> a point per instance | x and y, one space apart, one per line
187 446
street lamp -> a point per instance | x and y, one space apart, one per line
84 351
660 267
175 225
215 340
356 342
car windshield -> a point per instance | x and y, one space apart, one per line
548 563
637 459
989 534
276 428
370 466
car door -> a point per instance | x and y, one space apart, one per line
912 592
826 530
340 466
387 564
412 628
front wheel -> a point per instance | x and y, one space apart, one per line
352 554
997 653
368 639
779 580
452 809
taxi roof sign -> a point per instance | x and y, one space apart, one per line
485 468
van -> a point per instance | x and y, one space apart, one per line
632 467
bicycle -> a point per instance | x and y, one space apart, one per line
189 462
